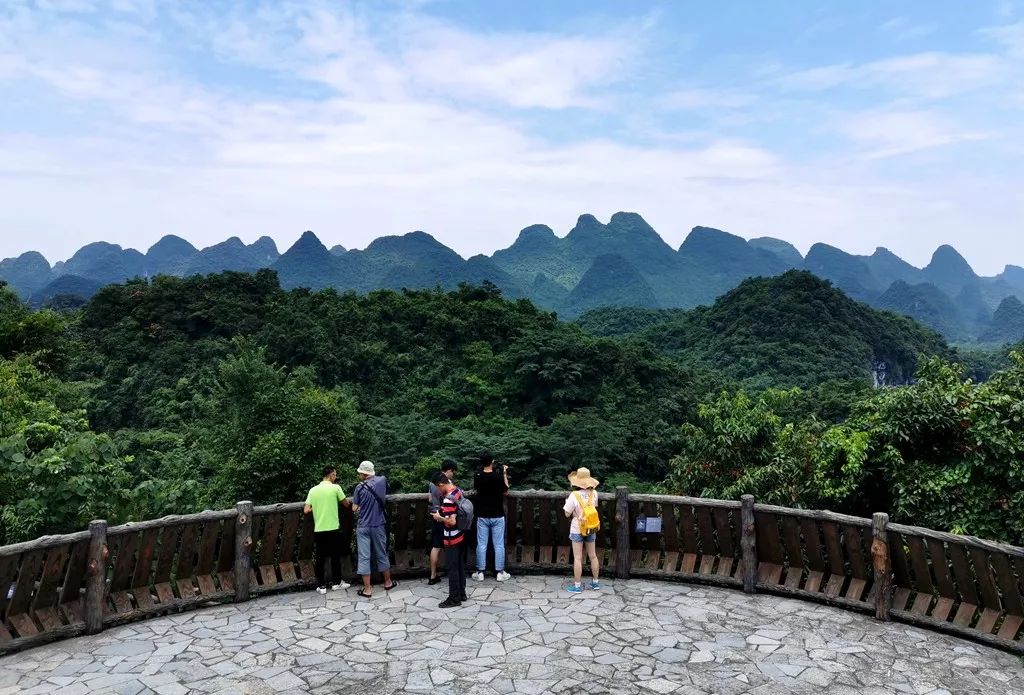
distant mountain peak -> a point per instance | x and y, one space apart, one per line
307 263
229 243
309 239
408 241
171 243
823 248
536 233
1007 324
586 225
338 250
630 222
1014 274
96 247
265 243
704 237
849 273
26 273
949 270
783 250
826 253
169 256
29 258
947 259
413 248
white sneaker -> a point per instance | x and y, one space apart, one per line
504 576
340 585
478 576
321 590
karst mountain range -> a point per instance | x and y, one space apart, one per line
624 262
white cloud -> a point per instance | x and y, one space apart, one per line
1009 36
402 54
69 6
706 99
887 133
902 29
412 123
930 75
524 71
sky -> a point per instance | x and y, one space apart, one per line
859 124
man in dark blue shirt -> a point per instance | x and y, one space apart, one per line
371 531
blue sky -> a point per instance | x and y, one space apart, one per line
858 124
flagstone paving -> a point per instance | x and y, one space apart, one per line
523 636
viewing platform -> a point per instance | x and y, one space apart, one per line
523 636
699 596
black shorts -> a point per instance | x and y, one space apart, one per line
437 536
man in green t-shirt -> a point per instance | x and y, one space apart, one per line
322 501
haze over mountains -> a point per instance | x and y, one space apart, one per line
621 263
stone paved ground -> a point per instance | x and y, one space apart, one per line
524 636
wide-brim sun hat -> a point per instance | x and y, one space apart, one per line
582 478
366 468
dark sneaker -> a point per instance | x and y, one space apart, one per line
463 598
434 580
449 603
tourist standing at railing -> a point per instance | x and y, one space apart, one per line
371 531
322 501
454 541
437 531
582 498
491 486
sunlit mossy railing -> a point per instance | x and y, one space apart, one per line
61 586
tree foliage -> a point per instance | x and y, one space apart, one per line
174 395
944 452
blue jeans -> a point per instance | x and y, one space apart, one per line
493 528
375 536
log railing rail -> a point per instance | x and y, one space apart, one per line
61 586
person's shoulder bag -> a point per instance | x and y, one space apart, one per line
383 511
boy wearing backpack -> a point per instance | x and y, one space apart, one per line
581 507
452 515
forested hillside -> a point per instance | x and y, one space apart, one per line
175 395
186 393
791 330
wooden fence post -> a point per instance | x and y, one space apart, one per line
882 565
243 550
748 544
96 577
622 550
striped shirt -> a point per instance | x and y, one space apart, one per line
450 508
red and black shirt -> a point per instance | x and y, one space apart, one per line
450 508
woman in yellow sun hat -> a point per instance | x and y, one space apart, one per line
581 507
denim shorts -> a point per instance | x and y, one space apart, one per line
577 538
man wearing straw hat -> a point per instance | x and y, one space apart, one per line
369 501
583 495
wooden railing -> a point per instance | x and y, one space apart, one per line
60 586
